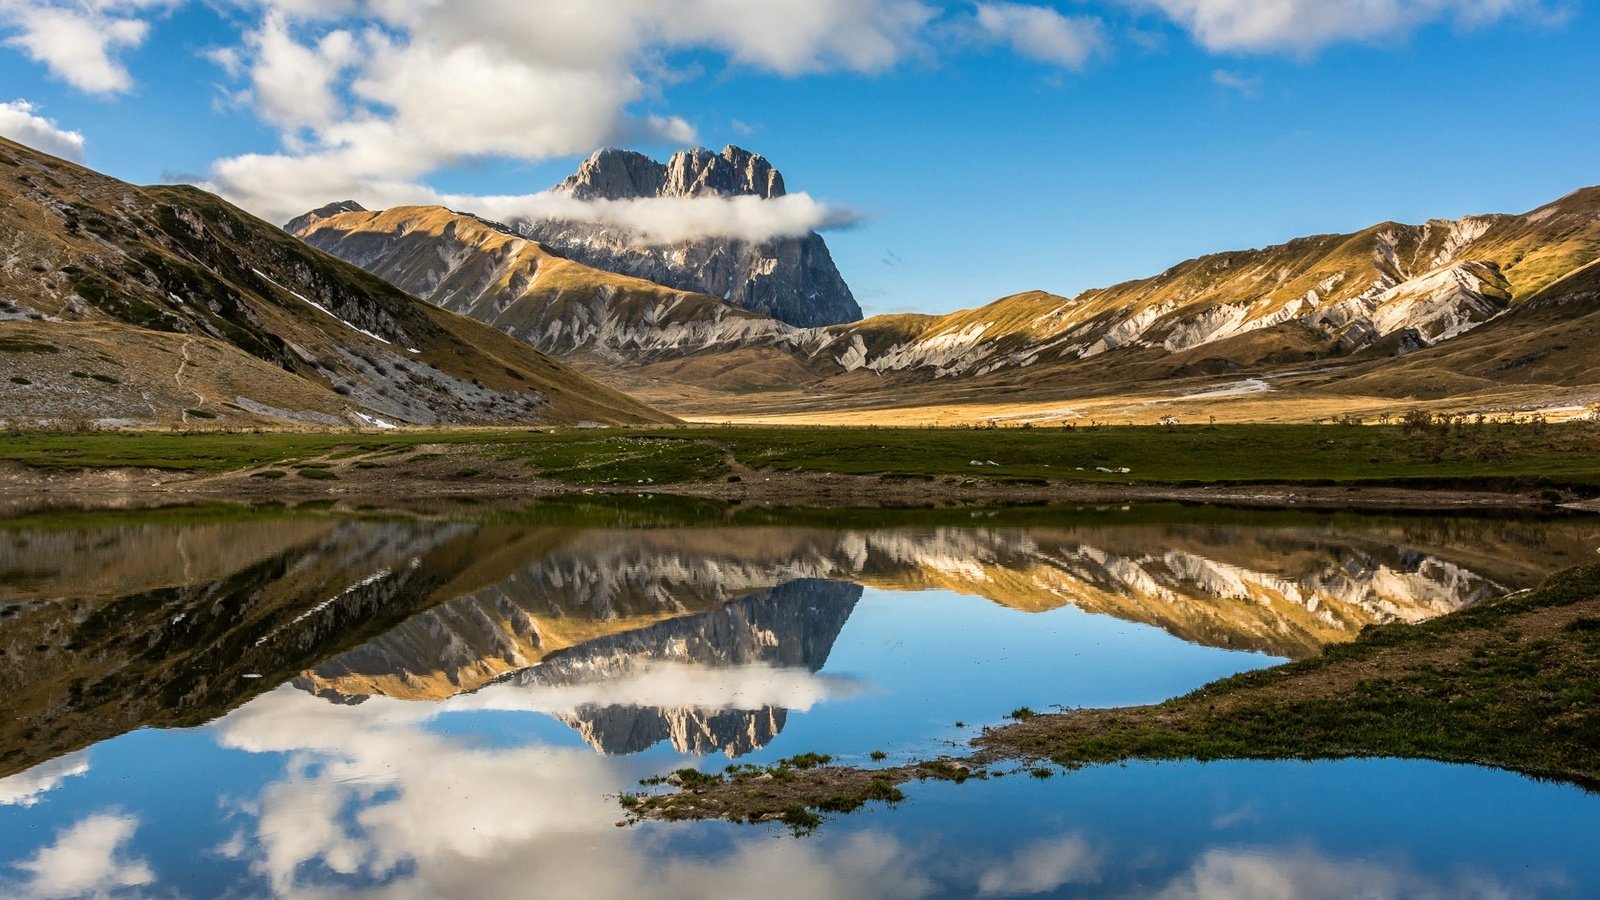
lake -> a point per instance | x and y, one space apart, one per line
446 702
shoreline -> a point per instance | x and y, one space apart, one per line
122 486
1518 468
1510 683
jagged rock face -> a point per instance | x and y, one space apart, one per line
793 280
1385 291
793 625
555 304
613 174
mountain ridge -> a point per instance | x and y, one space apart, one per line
1365 301
122 305
791 279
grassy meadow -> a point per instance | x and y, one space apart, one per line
1460 454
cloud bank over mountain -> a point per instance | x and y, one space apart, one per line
388 101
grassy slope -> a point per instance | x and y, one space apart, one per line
1558 456
496 277
1513 683
1521 259
164 265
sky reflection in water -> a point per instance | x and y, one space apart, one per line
759 646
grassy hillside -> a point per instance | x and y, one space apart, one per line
1485 313
521 287
185 309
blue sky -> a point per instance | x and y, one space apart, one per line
990 148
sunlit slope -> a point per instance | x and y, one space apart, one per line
522 288
1366 304
171 305
1432 281
1285 591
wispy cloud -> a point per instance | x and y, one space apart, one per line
1042 34
1304 26
1244 85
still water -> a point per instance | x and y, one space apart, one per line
307 703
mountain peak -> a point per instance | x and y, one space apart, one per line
733 172
615 174
300 224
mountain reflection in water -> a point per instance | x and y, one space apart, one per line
112 628
407 707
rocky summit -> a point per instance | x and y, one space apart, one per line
792 280
613 174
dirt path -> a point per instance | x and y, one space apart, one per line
177 378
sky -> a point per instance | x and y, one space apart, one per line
953 153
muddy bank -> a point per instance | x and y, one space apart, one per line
467 476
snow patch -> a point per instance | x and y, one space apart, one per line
307 300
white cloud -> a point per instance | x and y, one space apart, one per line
1041 33
670 220
20 122
668 686
1307 25
25 788
1042 867
375 98
373 793
1308 875
87 860
292 84
79 42
1245 85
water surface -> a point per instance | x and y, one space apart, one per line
295 703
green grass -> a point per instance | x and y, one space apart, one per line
621 459
1491 456
1512 683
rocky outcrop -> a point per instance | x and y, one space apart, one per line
321 213
612 174
793 280
1382 292
792 626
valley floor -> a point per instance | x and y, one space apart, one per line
1270 398
1432 465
